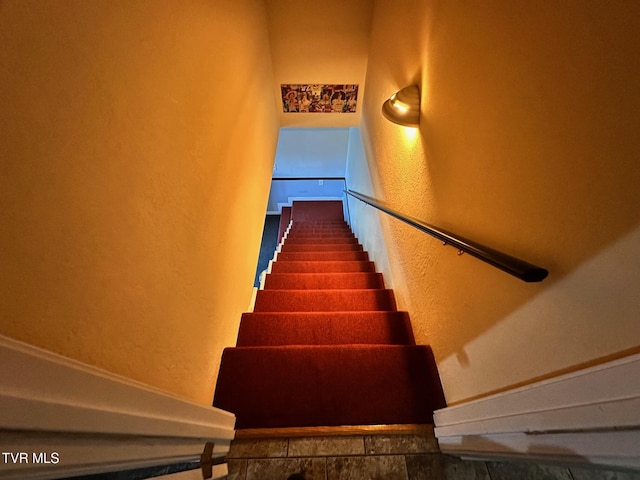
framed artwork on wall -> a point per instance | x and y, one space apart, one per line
319 98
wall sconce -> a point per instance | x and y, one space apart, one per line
403 107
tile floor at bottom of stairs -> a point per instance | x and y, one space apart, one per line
349 457
384 457
367 467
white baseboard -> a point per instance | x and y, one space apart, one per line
252 303
588 417
93 421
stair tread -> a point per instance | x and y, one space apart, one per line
326 328
333 240
322 247
330 280
302 256
383 384
294 266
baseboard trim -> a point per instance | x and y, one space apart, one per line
590 416
94 421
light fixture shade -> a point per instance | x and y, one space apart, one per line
403 107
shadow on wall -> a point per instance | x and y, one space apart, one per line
587 285
267 246
526 146
538 461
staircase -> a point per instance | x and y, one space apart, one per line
325 344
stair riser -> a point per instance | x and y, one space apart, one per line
321 221
319 240
319 226
370 328
341 233
383 385
324 300
322 267
340 229
322 256
310 281
328 247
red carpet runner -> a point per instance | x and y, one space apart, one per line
325 344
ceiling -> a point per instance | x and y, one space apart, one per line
316 42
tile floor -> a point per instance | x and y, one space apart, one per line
337 458
383 457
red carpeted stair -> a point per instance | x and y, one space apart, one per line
325 344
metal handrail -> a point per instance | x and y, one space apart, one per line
511 265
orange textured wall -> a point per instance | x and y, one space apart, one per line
319 42
126 240
528 143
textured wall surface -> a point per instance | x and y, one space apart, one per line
365 220
312 152
126 240
319 43
527 144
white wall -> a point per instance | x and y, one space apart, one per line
311 152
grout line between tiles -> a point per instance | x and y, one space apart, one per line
486 466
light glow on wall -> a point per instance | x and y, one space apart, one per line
410 134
